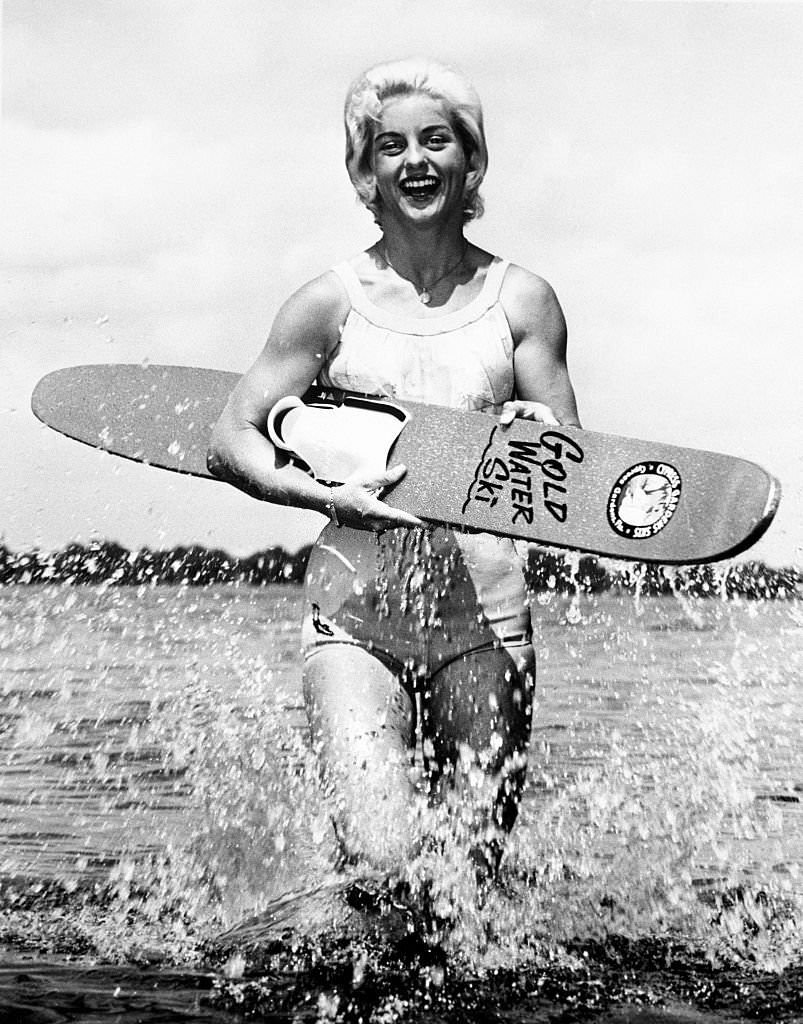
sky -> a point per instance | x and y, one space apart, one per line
171 170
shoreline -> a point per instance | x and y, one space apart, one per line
547 570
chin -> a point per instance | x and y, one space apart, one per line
435 208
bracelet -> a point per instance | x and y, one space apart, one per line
330 509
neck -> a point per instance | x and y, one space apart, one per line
423 254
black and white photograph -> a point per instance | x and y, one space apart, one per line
401 547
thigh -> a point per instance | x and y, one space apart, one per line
355 701
479 706
362 723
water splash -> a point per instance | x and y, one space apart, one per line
157 741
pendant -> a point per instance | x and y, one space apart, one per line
424 297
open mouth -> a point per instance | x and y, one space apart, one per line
419 188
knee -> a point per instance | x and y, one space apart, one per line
375 830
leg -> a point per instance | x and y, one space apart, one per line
476 721
363 728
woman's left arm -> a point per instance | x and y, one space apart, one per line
544 391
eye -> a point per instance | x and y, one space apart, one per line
389 145
439 139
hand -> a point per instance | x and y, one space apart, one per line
357 502
527 411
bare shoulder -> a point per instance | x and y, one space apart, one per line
532 307
304 333
313 314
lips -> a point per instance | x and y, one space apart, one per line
423 187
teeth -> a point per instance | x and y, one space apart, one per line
411 184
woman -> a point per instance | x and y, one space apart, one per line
411 634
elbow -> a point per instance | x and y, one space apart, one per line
217 457
214 463
228 458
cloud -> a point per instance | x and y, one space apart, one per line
172 171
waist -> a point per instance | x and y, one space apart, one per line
427 568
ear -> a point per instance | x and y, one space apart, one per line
369 191
472 181
474 175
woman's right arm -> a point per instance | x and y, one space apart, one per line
305 332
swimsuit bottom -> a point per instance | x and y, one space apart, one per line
416 599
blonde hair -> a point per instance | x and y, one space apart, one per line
400 78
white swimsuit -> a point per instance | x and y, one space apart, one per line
419 598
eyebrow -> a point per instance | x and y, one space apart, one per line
440 126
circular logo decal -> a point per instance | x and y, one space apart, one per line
644 499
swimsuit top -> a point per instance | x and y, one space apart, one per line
462 359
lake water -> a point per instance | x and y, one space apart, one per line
156 788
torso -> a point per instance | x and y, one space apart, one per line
458 356
387 290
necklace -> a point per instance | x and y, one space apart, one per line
425 294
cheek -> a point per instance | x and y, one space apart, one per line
458 164
379 169
384 173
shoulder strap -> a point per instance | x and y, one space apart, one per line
350 282
494 278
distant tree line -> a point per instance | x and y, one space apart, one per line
107 562
569 573
547 570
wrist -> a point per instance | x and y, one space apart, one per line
329 507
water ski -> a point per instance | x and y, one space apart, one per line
356 907
572 488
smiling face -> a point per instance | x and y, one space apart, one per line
418 160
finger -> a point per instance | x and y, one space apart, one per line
548 417
386 518
528 411
508 413
368 511
392 476
376 484
398 519
392 516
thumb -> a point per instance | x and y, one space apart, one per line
391 476
510 410
377 482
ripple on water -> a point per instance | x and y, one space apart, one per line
157 788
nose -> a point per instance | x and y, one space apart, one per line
415 156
